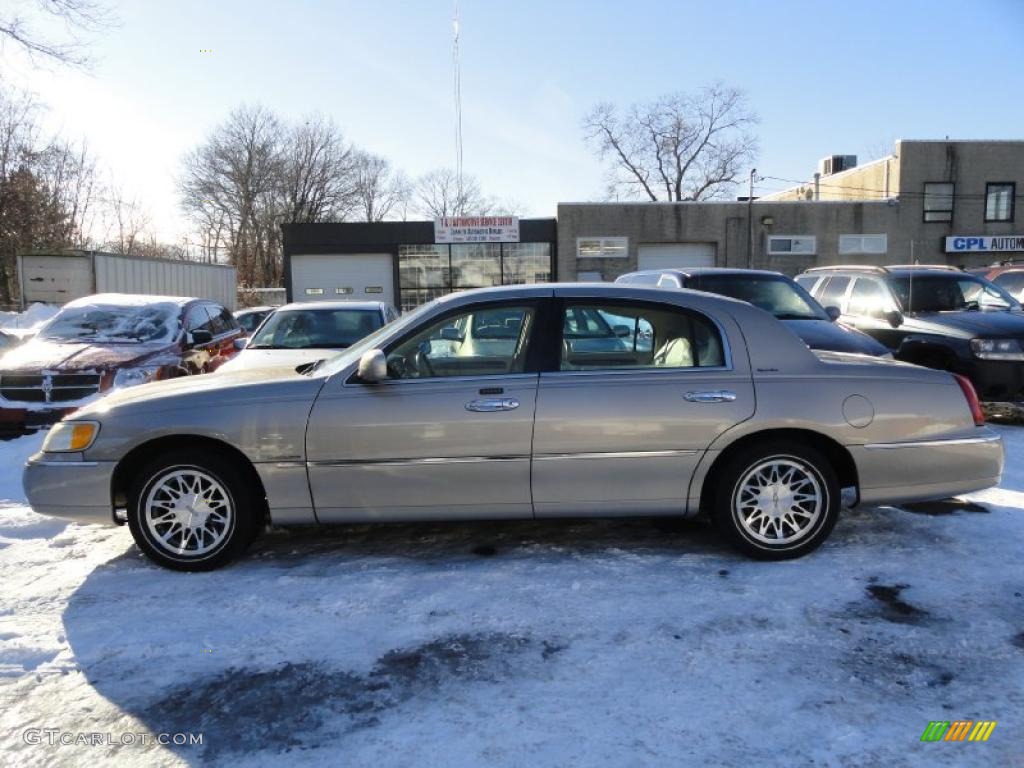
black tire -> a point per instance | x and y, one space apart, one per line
227 540
729 504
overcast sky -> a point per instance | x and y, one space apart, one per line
825 78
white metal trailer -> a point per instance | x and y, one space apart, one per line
57 278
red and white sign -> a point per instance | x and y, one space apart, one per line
476 229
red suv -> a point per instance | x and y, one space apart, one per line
1008 275
109 341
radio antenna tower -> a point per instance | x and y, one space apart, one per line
458 101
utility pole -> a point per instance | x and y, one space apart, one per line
750 221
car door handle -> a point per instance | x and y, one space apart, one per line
710 396
489 404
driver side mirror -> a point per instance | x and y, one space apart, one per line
622 331
199 337
894 318
240 344
451 333
373 367
834 313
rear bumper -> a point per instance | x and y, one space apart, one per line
929 469
73 490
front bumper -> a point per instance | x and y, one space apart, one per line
73 490
891 473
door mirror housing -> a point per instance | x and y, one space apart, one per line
240 344
894 317
373 367
622 331
451 333
834 313
199 337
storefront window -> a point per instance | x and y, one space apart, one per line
526 263
476 265
429 271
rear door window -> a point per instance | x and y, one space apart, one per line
834 292
615 335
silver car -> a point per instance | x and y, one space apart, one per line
480 405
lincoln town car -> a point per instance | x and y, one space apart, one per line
537 401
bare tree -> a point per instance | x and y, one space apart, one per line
234 180
679 147
381 192
126 222
318 172
438 193
78 17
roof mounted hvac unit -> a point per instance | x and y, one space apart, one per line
836 163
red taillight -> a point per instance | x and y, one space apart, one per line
972 399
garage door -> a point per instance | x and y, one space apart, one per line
675 255
343 277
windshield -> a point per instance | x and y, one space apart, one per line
772 293
114 324
316 328
950 292
373 341
250 320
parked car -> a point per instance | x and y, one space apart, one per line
1008 275
725 411
109 341
936 316
249 319
772 292
301 333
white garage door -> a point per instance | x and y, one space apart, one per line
343 277
675 255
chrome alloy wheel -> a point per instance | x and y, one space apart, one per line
779 500
188 512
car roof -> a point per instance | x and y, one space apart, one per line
697 271
891 269
131 300
250 310
357 305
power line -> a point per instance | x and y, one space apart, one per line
457 85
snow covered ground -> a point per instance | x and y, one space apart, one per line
622 643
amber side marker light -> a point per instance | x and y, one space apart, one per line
972 399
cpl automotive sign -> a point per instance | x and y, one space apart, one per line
476 229
983 244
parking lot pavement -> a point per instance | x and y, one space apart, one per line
639 642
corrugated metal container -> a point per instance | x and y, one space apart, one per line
56 278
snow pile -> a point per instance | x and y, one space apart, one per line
587 642
33 317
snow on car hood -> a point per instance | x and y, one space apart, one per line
38 354
249 359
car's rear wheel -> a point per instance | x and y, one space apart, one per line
776 501
191 512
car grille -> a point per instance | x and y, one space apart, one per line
48 387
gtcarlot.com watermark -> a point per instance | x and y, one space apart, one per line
52 737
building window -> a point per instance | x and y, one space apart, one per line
792 244
999 200
867 244
476 265
525 263
345 291
602 247
938 201
314 291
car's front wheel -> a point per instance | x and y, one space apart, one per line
191 511
776 501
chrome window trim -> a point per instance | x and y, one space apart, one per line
636 371
435 379
934 443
